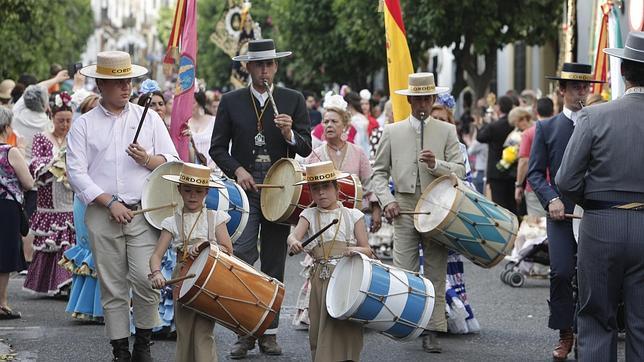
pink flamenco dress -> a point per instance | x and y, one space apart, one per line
53 223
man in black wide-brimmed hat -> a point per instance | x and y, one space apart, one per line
246 121
602 172
550 140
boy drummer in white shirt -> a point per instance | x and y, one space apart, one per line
330 339
188 230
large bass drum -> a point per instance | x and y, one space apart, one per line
284 205
157 191
464 221
230 291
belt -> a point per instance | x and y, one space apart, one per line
601 205
132 207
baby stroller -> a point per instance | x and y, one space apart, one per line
530 256
533 261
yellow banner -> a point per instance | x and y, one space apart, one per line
399 64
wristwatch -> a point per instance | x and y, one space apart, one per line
112 201
516 184
553 200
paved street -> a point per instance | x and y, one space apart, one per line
513 325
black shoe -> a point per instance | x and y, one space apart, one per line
141 350
121 350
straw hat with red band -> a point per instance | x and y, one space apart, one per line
194 175
113 65
322 172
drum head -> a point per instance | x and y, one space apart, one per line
577 222
437 199
279 204
344 294
196 268
158 191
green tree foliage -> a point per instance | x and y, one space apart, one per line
332 40
479 28
37 33
343 40
213 64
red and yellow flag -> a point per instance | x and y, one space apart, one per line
184 37
399 64
601 58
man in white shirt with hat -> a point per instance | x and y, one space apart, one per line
107 171
413 166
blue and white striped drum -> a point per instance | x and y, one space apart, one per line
233 200
465 221
393 301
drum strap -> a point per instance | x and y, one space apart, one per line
179 221
321 243
211 222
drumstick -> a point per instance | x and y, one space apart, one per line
145 111
315 236
268 186
572 216
410 212
179 279
136 212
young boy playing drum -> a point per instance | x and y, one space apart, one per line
188 230
330 339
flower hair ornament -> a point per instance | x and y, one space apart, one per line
447 100
334 101
149 86
365 95
62 99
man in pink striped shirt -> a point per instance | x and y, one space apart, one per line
107 171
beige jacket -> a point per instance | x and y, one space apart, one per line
398 152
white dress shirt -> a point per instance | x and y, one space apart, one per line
415 123
96 159
262 98
571 115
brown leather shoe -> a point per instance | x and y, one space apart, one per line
242 346
431 344
566 342
268 345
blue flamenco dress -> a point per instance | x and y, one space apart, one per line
85 295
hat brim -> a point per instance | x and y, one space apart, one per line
90 71
619 53
338 175
248 58
437 90
175 179
552 77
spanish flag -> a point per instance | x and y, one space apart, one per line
399 64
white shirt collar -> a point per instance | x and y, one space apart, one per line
571 115
415 123
112 114
261 97
630 90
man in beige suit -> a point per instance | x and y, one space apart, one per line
415 154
